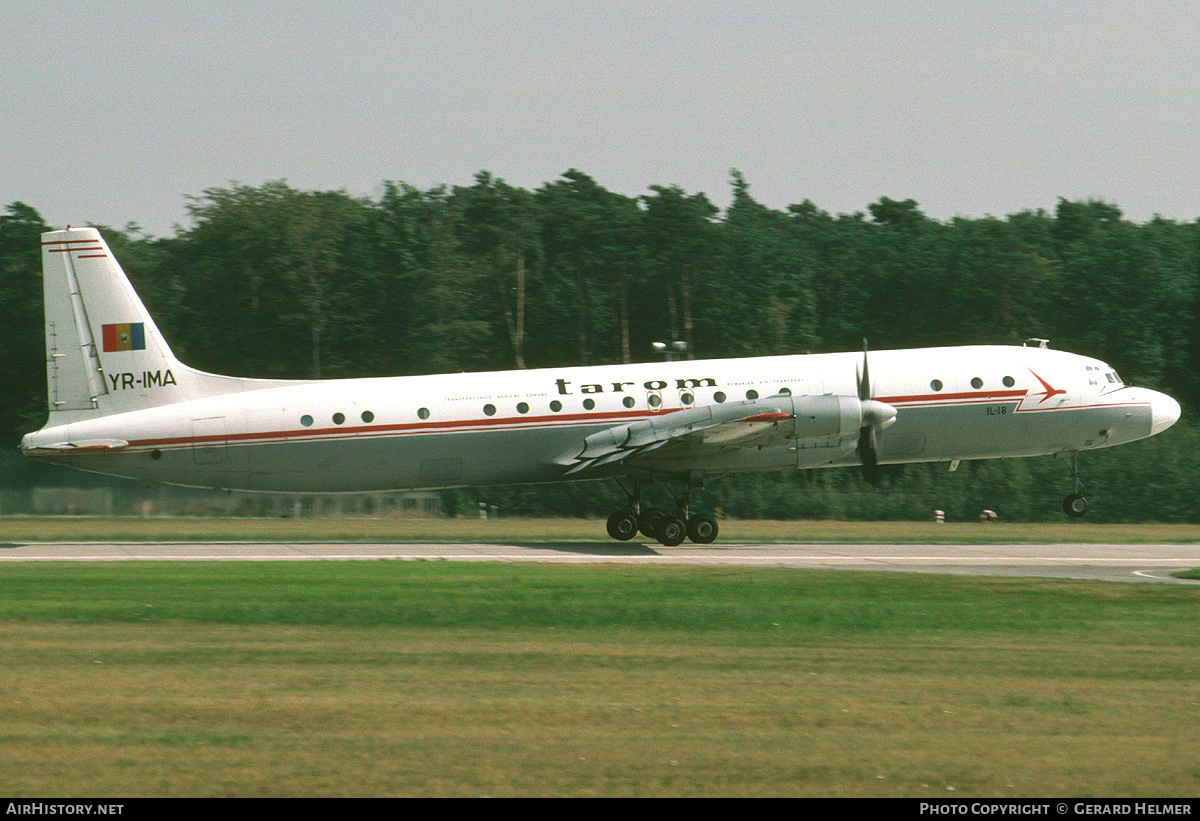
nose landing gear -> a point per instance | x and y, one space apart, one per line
1075 505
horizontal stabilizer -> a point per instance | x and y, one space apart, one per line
84 446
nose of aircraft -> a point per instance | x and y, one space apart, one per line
1164 412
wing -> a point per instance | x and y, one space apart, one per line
732 425
697 435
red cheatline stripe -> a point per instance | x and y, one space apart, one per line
943 398
93 256
450 426
461 426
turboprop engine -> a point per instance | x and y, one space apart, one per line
819 417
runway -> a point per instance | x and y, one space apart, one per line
1110 562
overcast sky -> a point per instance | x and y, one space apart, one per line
115 112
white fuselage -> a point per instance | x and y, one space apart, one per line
527 426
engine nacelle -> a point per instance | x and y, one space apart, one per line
821 417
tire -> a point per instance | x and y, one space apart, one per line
1075 505
649 521
672 531
622 526
702 529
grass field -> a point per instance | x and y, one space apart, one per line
445 679
15 529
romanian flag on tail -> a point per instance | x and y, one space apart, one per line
126 336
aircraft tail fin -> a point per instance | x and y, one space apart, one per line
104 354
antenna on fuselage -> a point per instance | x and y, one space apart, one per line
668 351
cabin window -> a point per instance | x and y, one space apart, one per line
1009 381
785 391
686 398
936 384
423 413
976 383
752 394
654 399
339 418
306 420
522 407
719 397
489 410
588 404
556 406
368 417
628 401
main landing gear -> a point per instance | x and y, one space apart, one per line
1075 505
669 529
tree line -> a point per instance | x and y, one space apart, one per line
272 281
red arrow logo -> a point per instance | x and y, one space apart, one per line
1050 391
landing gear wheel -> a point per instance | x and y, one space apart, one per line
622 525
672 531
1075 505
702 529
649 521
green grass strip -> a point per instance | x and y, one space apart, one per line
399 678
448 594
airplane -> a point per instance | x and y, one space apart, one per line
120 403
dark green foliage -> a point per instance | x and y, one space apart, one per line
22 344
272 281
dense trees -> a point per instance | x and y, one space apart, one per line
273 281
22 345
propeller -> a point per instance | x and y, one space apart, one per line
875 416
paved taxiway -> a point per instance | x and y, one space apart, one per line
1114 562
